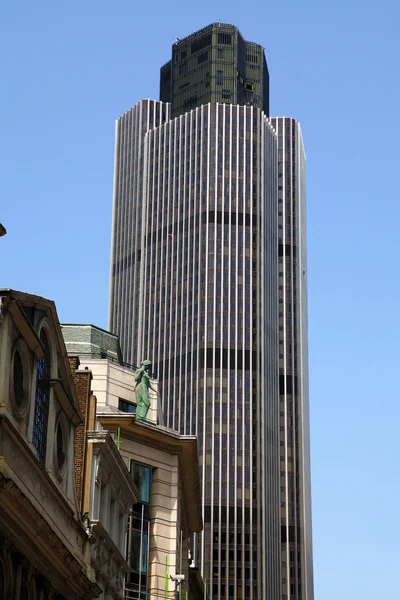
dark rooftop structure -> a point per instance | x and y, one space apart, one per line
215 64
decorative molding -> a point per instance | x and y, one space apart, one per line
66 401
111 466
21 347
18 452
27 332
108 562
58 550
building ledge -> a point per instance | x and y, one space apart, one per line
36 538
167 440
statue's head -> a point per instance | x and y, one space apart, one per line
146 364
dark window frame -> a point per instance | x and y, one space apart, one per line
42 401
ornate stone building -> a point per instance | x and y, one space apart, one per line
44 546
74 463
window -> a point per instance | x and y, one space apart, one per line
183 68
61 445
126 406
141 477
225 38
201 43
139 533
219 77
139 547
42 400
203 57
20 379
220 53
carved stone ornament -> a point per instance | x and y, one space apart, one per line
43 529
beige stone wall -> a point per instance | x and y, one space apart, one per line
165 509
40 518
112 381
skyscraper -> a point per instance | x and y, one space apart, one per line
296 537
213 65
194 288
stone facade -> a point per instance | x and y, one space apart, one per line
105 489
164 522
174 499
44 547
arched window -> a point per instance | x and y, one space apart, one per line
42 400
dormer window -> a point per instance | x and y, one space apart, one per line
42 401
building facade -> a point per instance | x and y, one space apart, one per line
194 287
215 65
44 547
105 490
205 278
162 463
296 534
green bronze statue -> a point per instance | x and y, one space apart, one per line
142 378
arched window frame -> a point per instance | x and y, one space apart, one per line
61 425
42 399
21 405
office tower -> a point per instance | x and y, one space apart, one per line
296 538
214 65
194 288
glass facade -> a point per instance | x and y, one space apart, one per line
296 538
213 65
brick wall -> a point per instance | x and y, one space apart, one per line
82 381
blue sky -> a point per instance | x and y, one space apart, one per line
71 68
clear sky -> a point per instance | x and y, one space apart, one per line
71 67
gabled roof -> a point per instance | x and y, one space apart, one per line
21 305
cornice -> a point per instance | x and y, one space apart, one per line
104 444
21 443
61 557
166 440
66 401
25 328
